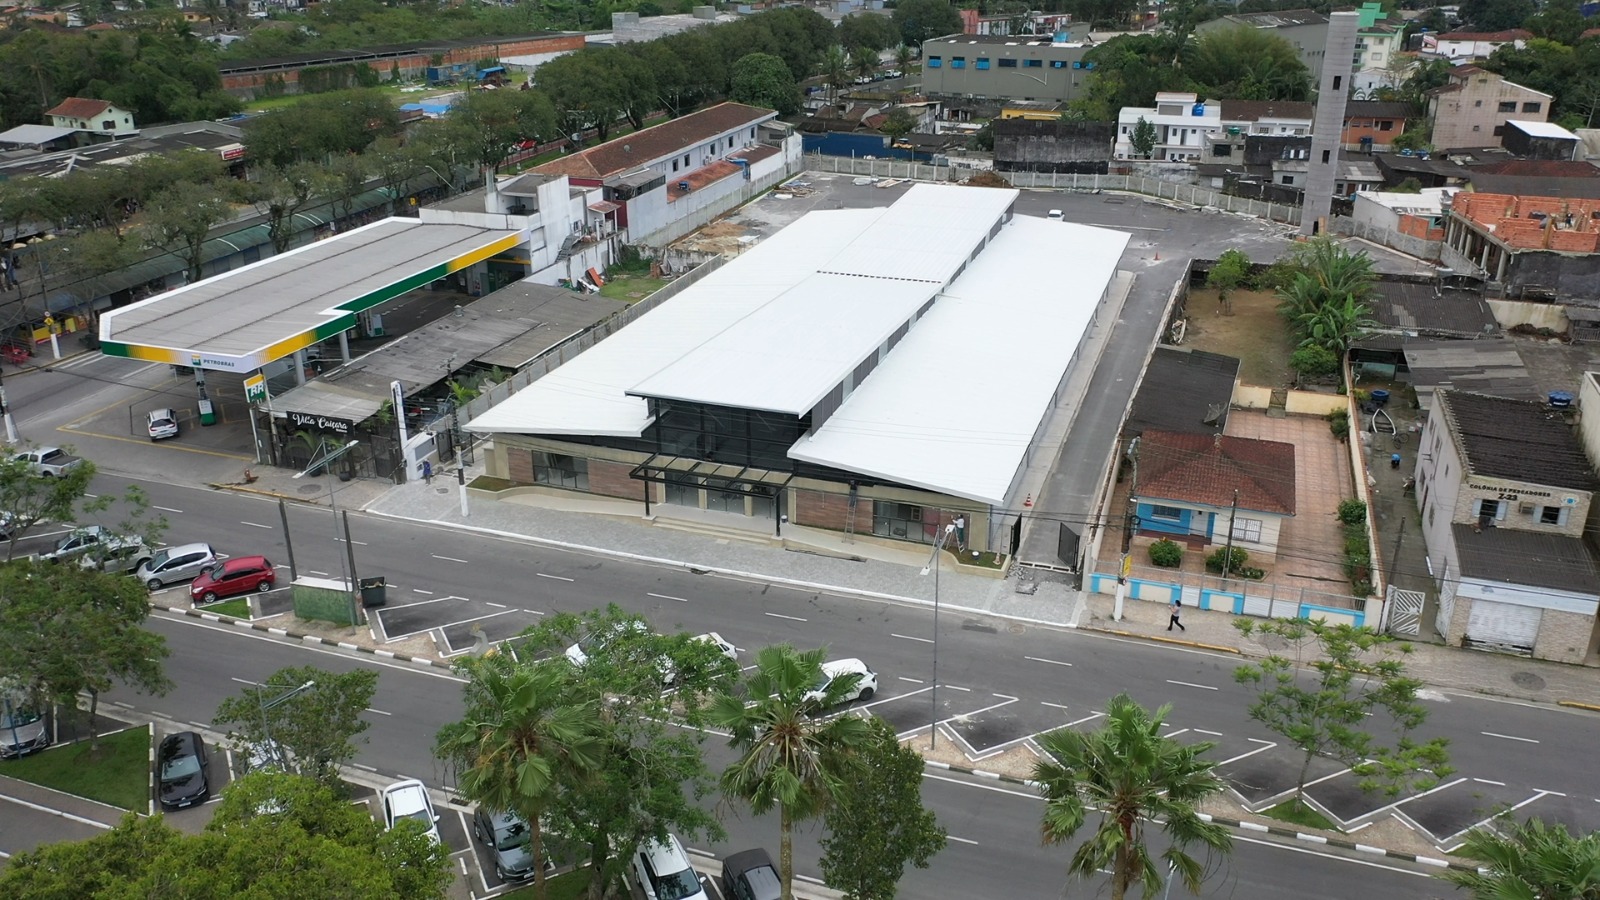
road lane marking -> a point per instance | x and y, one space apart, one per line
257 525
448 558
1053 662
1509 737
54 812
379 712
1052 705
357 543
421 591
167 509
968 690
1203 687
493 604
551 577
907 637
241 681
780 616
983 787
666 597
961 840
180 619
1487 781
912 680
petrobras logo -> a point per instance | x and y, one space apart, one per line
201 361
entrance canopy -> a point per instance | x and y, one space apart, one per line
241 320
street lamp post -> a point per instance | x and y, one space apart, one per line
327 458
933 720
263 706
5 410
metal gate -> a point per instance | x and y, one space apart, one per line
1508 627
1067 547
1405 611
1447 604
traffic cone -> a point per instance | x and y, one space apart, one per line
1028 503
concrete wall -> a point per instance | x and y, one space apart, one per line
245 78
1055 146
1311 403
1019 83
705 205
1511 313
1564 636
1249 396
1411 245
1569 276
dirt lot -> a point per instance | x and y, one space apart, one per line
1255 333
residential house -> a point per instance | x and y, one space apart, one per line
1378 41
1537 177
1181 122
1506 491
1471 110
1304 29
96 118
1539 140
1200 489
1274 117
1546 247
1467 46
1371 126
998 67
1419 215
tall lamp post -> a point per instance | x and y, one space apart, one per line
327 457
5 411
933 563
264 705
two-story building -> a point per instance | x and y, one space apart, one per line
1001 67
1472 108
1372 125
1505 491
95 118
1378 41
1181 122
1467 46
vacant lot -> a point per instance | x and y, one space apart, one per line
631 288
1254 332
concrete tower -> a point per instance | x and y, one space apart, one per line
1327 127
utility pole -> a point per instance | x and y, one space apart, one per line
1130 524
1227 555
5 412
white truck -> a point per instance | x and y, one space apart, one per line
52 462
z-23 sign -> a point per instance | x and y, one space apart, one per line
327 424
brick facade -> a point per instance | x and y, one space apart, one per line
1517 494
519 465
246 77
1564 636
827 510
611 479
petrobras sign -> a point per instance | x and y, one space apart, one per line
203 361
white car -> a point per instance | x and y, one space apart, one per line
409 800
1054 214
578 653
162 423
865 687
664 873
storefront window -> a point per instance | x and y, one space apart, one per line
903 521
560 470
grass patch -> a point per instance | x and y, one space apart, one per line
568 886
1254 332
239 608
1298 813
631 288
984 559
490 483
118 772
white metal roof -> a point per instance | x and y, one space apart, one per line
1002 337
587 395
1542 129
926 235
34 134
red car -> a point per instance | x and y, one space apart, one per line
239 575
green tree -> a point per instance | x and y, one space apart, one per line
867 31
1231 270
1246 64
1321 696
1129 70
898 124
1529 861
491 121
396 166
77 631
30 498
879 825
179 219
1143 138
864 63
101 867
904 56
675 89
1496 15
524 732
1558 20
835 71
279 194
921 20
761 79
790 757
1134 776
587 91
318 727
1314 362
316 126
347 179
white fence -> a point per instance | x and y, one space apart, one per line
1192 195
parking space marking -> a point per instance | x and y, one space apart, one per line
316 573
968 690
257 525
1052 705
357 543
167 509
907 637
1053 662
1509 737
421 591
1203 687
912 680
553 577
493 604
1265 745
780 616
666 597
1487 781
448 558
55 812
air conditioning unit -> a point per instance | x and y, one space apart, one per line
1526 509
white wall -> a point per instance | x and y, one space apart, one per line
1439 472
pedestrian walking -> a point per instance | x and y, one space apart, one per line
427 471
1176 610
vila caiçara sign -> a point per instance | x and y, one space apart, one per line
327 424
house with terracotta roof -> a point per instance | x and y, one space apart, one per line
1199 488
95 117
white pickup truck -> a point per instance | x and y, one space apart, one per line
52 462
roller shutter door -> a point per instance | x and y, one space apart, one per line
1503 625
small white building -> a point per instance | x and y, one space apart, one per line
96 117
1181 121
1466 46
1419 215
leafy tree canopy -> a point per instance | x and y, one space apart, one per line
921 20
318 727
1246 64
879 825
762 79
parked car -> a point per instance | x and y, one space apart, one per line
239 575
750 875
524 144
1054 214
23 729
175 564
664 873
118 555
265 755
409 800
182 769
507 837
579 653
77 542
162 423
51 462
866 685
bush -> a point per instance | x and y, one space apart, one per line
1313 362
1235 557
1166 554
1352 511
1339 424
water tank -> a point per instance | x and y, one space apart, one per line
1199 109
1560 400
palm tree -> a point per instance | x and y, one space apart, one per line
1335 325
1336 270
903 57
864 62
790 757
1133 775
523 730
835 71
1530 860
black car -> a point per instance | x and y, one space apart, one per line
181 767
750 875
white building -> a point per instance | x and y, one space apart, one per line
1181 121
1466 46
1420 215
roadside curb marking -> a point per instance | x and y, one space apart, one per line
1239 825
301 637
1220 648
259 492
1574 704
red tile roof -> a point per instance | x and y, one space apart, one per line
701 177
1510 34
1543 168
1207 469
650 144
79 108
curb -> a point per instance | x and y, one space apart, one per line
259 492
1253 827
302 637
1574 704
1219 648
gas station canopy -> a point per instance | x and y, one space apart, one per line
241 320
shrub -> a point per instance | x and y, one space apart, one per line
1352 511
1313 362
1339 424
1235 557
1166 554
